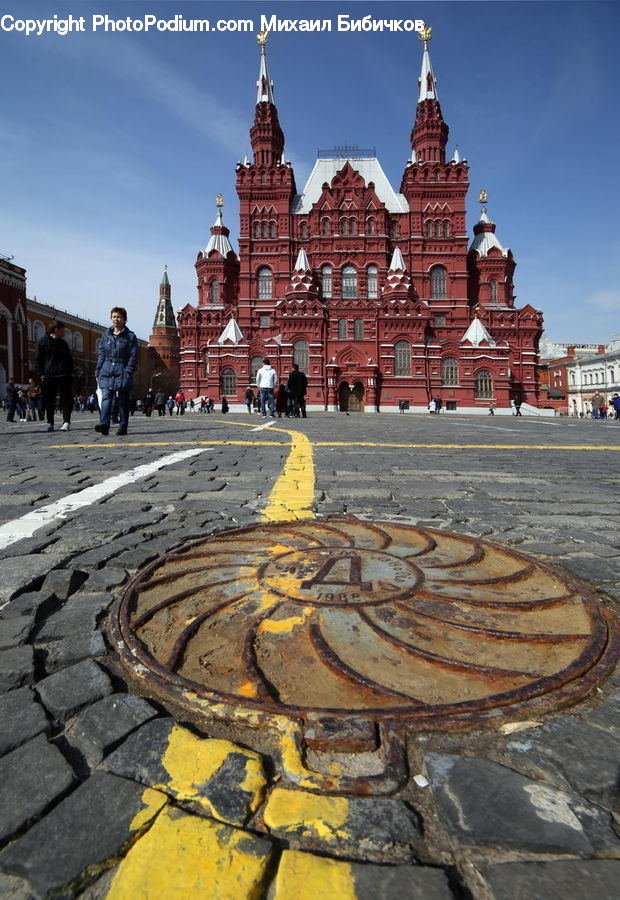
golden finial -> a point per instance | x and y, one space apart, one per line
219 201
425 35
261 37
483 196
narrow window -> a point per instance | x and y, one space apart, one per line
371 276
325 226
349 282
438 282
402 358
326 281
493 289
301 355
342 329
358 330
228 381
215 291
265 283
449 372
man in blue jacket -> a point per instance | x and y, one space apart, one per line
117 360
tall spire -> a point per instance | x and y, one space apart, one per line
264 85
219 233
164 316
266 135
430 133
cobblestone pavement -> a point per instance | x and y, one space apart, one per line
104 794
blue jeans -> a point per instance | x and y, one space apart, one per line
123 407
267 397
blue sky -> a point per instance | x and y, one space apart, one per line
114 145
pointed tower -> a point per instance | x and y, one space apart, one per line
266 135
430 133
217 266
266 189
164 344
491 266
302 285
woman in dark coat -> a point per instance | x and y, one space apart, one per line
117 360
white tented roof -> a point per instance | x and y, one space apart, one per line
232 332
368 167
218 241
477 333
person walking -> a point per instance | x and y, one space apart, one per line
54 364
147 403
160 403
438 405
615 403
517 404
180 401
492 408
225 406
170 404
297 388
249 399
11 400
117 360
266 380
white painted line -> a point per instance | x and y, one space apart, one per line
25 526
471 425
266 425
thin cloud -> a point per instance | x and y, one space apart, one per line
604 301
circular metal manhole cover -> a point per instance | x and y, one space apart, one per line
339 618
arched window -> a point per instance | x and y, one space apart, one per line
371 281
446 228
265 283
303 231
78 342
301 355
402 358
326 227
493 289
215 291
326 281
371 226
342 329
205 360
69 337
438 229
265 229
29 330
438 282
394 232
344 226
352 225
263 178
571 376
358 330
272 229
38 330
255 364
349 282
228 381
429 228
256 229
449 371
483 385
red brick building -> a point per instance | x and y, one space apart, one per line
377 294
13 330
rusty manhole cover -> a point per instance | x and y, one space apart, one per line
326 622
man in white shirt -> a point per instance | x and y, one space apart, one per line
266 380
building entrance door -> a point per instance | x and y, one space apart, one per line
351 399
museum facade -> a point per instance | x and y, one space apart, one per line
379 295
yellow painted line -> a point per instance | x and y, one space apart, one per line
292 494
468 446
303 876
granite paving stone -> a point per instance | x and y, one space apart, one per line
82 834
31 777
68 690
484 803
106 722
24 573
607 714
15 630
21 717
574 879
58 654
68 621
16 667
30 603
587 756
64 582
14 888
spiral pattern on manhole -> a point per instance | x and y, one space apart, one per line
341 616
